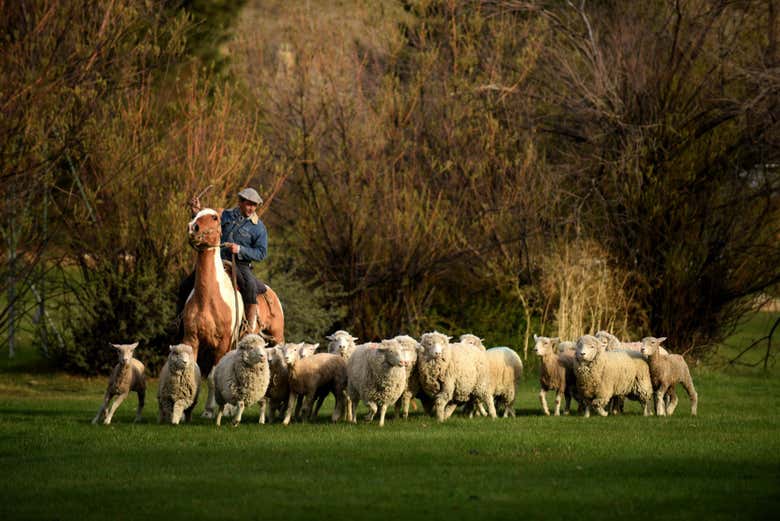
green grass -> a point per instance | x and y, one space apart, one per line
723 464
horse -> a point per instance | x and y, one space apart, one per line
214 311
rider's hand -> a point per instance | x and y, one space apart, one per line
195 204
233 246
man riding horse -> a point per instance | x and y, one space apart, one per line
245 235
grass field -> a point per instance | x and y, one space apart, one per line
723 464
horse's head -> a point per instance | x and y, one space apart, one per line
205 230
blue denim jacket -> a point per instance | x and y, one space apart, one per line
247 232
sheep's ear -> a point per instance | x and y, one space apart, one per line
354 338
419 348
115 346
133 346
315 346
556 340
661 339
535 337
330 337
171 348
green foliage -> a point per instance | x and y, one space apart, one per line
121 305
310 311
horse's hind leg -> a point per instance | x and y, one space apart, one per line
211 401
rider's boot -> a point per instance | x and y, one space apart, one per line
251 317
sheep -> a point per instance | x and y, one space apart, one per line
506 369
127 376
468 338
603 374
614 344
179 384
278 384
412 390
312 377
556 373
453 374
377 375
666 371
241 378
342 344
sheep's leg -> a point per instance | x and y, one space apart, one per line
660 408
558 403
239 413
567 405
692 394
141 400
449 410
102 411
308 402
263 405
510 406
114 406
353 404
440 406
672 405
318 406
382 411
407 400
598 406
487 399
218 420
543 401
372 408
178 410
291 403
339 409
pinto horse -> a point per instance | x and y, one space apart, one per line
214 310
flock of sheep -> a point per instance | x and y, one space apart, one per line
292 380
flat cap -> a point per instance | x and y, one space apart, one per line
251 195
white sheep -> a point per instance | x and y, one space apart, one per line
602 375
377 375
312 377
666 371
241 378
412 390
341 343
506 370
615 344
468 338
453 374
179 384
127 376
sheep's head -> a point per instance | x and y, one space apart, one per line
180 357
307 349
435 344
291 353
474 340
651 345
252 349
612 342
125 351
409 345
545 345
341 343
394 353
274 354
589 347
